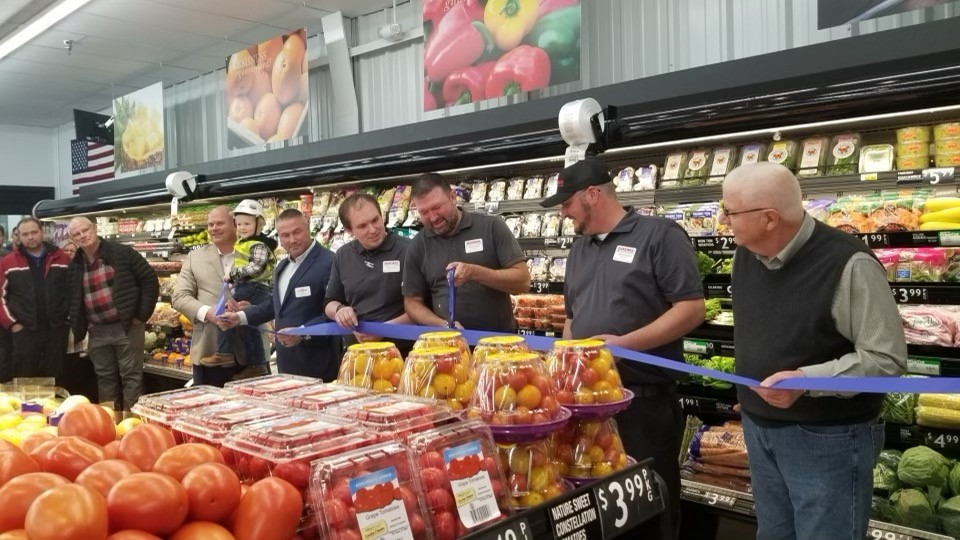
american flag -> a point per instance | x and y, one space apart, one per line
91 162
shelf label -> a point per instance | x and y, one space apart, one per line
541 287
718 499
868 177
923 366
525 332
942 440
909 295
950 238
880 534
517 528
719 290
706 243
690 403
576 518
705 405
695 346
626 500
875 240
941 175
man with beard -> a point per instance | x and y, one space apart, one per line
632 282
487 261
367 272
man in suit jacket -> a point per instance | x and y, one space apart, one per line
300 281
196 293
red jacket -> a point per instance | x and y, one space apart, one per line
18 298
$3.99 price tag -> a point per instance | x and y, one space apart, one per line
626 500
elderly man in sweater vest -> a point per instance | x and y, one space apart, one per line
808 300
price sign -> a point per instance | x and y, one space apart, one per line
942 440
626 500
875 240
880 534
565 242
540 287
690 403
936 176
576 518
921 239
479 206
492 207
719 290
949 239
695 346
923 366
524 332
909 295
719 499
517 528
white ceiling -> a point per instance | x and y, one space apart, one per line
121 44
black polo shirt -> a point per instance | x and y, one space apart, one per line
628 280
369 281
479 239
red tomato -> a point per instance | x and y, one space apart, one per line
70 511
112 450
150 501
336 514
131 534
18 494
92 422
213 491
16 534
178 460
103 475
33 440
439 499
296 472
269 511
143 444
67 456
433 478
202 530
444 526
13 463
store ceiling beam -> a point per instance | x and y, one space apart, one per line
876 73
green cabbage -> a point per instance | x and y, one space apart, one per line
921 467
950 517
953 481
880 508
912 509
885 479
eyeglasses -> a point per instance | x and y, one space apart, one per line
724 211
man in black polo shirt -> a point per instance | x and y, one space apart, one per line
632 281
367 272
487 261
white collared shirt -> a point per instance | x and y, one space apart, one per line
284 277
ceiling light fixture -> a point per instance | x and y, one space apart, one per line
39 24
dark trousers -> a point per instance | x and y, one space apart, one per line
6 356
39 353
652 427
249 338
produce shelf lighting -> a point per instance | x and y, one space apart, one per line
40 24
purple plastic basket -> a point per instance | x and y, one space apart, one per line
601 410
529 432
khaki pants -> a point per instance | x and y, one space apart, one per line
117 358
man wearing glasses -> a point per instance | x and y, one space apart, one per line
632 281
808 300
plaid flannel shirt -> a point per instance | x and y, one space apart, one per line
97 294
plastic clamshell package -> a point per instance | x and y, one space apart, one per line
393 416
675 166
439 373
531 473
814 153
783 153
373 492
624 180
211 424
270 384
753 153
584 372
164 407
844 153
876 158
374 366
589 449
698 167
319 397
722 161
461 461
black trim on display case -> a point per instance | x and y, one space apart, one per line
890 71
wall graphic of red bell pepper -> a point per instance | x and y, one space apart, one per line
429 102
546 6
467 85
458 42
520 70
509 20
434 10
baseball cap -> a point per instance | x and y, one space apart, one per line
249 207
581 175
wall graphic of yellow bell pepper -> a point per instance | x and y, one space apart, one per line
509 21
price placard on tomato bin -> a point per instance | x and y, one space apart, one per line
627 499
517 528
576 518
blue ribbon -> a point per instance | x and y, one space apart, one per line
222 300
452 300
876 385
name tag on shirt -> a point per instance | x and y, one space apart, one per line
473 246
625 254
302 292
391 267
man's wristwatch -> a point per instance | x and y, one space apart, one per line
341 306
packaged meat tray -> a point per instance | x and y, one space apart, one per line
458 464
929 325
395 417
211 424
270 384
319 397
369 493
814 152
440 373
163 408
531 473
374 366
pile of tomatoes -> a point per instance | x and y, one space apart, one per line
85 484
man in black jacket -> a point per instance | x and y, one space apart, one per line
114 291
34 308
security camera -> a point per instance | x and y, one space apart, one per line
68 45
587 128
391 31
182 184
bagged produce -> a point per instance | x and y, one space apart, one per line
942 401
885 479
953 481
950 516
898 408
890 458
938 418
850 214
928 325
896 211
912 509
880 508
921 466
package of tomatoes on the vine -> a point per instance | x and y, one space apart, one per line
587 377
373 492
210 425
438 373
374 366
462 481
395 417
319 396
445 338
270 384
588 449
164 408
532 476
493 345
517 398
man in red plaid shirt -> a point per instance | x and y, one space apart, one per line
114 294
